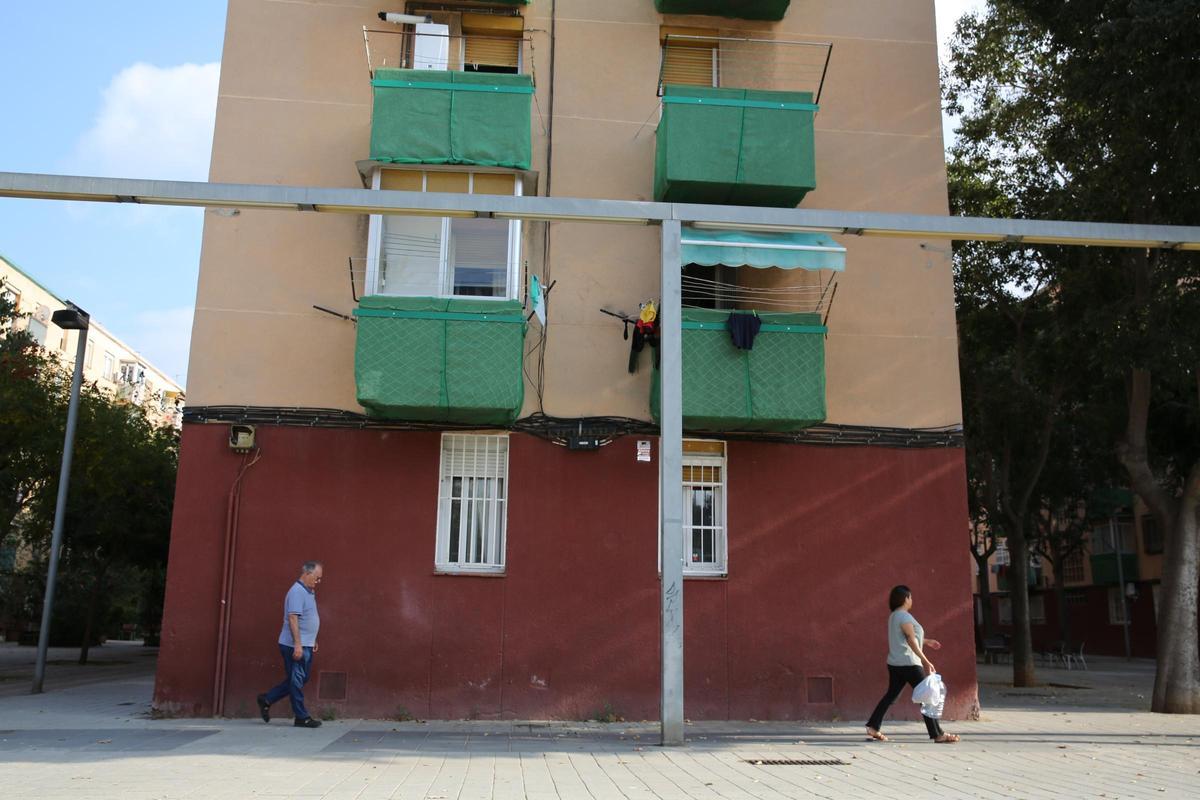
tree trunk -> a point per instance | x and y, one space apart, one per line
985 601
1060 592
93 601
1177 674
1177 680
1018 592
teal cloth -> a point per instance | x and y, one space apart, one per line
745 248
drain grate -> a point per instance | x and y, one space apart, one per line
797 762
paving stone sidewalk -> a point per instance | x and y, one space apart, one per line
99 741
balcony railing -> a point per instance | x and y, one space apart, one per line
772 10
737 120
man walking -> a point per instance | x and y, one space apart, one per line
297 644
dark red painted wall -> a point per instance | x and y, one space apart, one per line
817 537
1089 623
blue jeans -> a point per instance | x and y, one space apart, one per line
296 675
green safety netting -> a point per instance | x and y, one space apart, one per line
779 385
739 9
735 147
440 360
800 250
447 117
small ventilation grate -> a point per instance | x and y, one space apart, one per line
797 762
332 686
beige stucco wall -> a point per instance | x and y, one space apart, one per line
294 108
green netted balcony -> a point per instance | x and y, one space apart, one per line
735 147
1106 573
429 359
451 117
737 9
778 385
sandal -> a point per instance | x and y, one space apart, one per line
946 738
876 736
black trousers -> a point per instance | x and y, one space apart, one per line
897 677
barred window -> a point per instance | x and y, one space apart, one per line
1072 568
704 543
472 503
1116 605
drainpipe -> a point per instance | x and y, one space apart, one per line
225 609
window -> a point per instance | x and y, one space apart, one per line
465 41
1107 534
1116 605
1077 598
1152 539
1072 568
37 329
1037 610
443 256
704 538
87 359
1001 557
472 503
62 343
110 365
690 56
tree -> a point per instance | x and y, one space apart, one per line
118 515
1085 110
32 393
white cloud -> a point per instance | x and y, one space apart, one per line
155 122
163 337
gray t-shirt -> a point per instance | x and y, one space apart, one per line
899 653
302 601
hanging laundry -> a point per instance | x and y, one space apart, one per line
743 327
645 332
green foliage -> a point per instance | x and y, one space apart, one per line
1085 111
118 514
607 714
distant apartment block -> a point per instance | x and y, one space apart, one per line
109 363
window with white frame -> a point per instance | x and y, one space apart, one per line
472 503
704 533
444 256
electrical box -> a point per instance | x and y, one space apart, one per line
241 438
578 442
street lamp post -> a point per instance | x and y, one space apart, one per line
71 318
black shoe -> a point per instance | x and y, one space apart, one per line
307 722
264 708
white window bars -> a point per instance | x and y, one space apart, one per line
472 503
704 509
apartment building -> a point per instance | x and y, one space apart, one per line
482 484
1106 595
109 363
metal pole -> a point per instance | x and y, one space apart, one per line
64 477
1112 529
670 460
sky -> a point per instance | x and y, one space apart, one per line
124 89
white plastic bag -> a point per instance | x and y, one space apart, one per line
931 694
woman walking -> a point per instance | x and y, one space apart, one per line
906 663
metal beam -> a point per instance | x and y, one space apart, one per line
670 461
567 209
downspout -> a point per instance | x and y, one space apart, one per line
229 562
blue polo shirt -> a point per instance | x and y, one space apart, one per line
302 601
